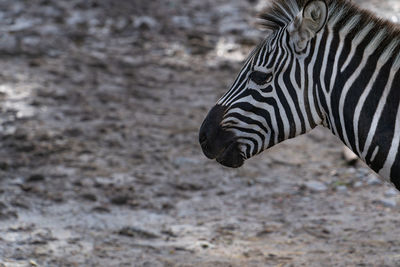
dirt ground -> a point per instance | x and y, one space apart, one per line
100 106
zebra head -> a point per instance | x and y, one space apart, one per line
272 99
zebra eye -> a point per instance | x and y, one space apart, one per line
260 78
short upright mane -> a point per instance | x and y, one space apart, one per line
280 13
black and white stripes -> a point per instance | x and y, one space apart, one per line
324 62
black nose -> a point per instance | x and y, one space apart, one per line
202 136
212 137
217 142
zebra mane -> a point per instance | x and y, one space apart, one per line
282 12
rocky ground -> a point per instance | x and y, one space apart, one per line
100 105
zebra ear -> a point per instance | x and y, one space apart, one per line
308 23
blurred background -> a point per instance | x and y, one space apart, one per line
100 105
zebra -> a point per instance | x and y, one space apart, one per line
324 62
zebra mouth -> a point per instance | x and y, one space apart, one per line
231 156
219 143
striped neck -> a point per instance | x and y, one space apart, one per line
358 76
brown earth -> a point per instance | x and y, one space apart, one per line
101 102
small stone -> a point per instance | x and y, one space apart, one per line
40 251
316 186
387 202
187 186
145 23
21 24
76 19
8 215
33 263
56 197
20 204
119 200
363 171
391 192
137 233
373 180
31 41
22 228
182 22
73 132
27 188
101 209
341 189
205 245
360 176
253 253
4 165
21 134
8 43
184 161
358 184
35 178
89 196
47 30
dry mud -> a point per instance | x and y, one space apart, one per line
101 102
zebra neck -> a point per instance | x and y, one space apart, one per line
359 79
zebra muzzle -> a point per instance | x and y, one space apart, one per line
218 143
231 156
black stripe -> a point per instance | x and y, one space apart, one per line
320 57
297 74
371 104
293 95
249 121
348 44
264 114
307 63
243 74
333 50
353 96
239 80
342 79
283 100
386 126
248 152
263 54
251 131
